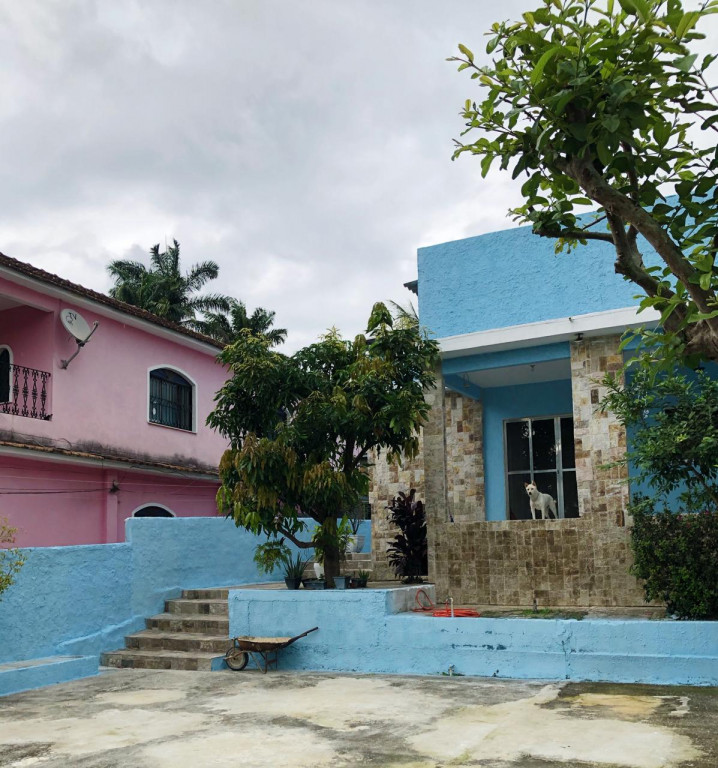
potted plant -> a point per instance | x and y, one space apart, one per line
361 579
354 519
293 570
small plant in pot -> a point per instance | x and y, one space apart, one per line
408 552
293 570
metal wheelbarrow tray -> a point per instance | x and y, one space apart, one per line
265 648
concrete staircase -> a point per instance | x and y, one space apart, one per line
192 634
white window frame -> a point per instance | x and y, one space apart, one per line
190 381
152 504
558 470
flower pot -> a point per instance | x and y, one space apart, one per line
314 584
292 583
355 543
319 570
341 582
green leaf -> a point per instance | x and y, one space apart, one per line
542 62
685 63
466 52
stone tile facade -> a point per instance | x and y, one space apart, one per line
574 562
461 442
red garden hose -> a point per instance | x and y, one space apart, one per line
446 612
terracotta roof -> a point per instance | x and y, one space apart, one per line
59 282
133 461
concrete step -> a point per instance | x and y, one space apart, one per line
202 623
154 640
27 674
214 607
221 593
163 659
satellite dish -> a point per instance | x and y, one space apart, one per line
75 324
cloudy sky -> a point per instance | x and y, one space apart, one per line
304 146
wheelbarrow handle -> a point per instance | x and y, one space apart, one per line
304 634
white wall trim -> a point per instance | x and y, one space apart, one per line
184 375
152 504
611 321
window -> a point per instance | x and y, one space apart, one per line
171 398
153 510
5 375
541 450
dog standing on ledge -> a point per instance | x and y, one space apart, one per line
542 502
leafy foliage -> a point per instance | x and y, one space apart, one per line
677 557
603 104
11 559
408 552
300 427
673 421
227 326
163 289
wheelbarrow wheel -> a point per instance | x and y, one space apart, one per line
236 660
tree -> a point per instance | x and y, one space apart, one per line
163 289
602 103
227 326
300 427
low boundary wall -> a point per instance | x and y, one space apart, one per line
69 604
372 631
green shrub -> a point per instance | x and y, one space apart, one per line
11 560
676 555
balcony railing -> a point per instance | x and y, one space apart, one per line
26 393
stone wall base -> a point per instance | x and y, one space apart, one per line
581 562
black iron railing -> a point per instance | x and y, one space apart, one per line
26 393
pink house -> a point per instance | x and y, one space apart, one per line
116 432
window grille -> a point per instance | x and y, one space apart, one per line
170 399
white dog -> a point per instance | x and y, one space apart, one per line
542 502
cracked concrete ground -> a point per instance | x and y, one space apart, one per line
162 719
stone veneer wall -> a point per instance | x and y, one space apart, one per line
464 471
573 562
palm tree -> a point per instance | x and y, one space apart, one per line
405 317
226 326
163 290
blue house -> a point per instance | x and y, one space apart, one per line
526 336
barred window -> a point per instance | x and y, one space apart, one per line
170 399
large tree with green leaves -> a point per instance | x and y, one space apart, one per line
163 289
228 326
606 104
301 427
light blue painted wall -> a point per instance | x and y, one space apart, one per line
365 631
83 600
512 277
543 399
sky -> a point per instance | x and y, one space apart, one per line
303 146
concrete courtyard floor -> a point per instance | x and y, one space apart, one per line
162 719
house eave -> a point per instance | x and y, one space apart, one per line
609 322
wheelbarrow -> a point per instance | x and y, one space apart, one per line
265 648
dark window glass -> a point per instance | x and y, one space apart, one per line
517 446
544 444
170 399
152 511
570 495
568 454
4 376
518 500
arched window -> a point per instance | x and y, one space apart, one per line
171 396
5 374
152 510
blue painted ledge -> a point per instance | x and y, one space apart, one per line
373 631
16 676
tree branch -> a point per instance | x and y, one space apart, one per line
576 234
287 534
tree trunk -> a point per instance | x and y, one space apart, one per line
331 550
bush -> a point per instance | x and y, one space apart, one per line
677 557
408 553
11 560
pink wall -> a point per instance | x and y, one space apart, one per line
101 400
79 509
